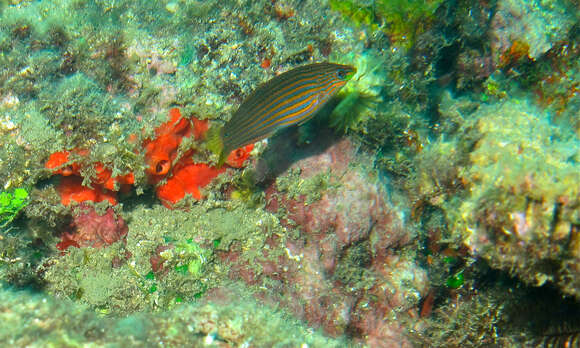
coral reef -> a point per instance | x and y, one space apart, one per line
188 178
170 168
433 203
165 259
173 172
71 187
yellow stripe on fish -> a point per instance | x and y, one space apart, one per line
290 98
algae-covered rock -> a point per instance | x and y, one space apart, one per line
352 245
78 106
166 259
228 317
522 210
539 24
25 135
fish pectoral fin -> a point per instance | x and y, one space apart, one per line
214 140
222 159
215 144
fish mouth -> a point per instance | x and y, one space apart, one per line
351 71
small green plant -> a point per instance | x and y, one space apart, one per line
10 204
192 257
455 281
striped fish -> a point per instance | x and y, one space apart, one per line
290 98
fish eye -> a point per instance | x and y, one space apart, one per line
341 74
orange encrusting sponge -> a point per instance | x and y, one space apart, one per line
70 187
174 177
187 179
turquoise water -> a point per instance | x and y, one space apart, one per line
432 202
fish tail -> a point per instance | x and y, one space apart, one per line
215 143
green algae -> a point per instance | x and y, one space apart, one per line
402 20
358 13
11 203
455 281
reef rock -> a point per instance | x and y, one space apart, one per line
520 203
347 268
539 24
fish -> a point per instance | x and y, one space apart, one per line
291 98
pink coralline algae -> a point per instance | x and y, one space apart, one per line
344 215
89 229
351 216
